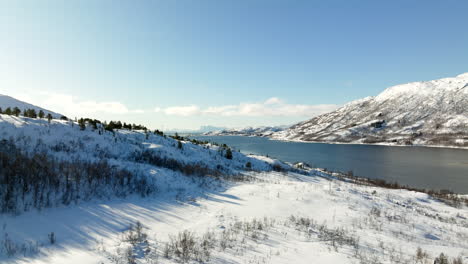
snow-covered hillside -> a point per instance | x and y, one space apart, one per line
263 131
273 218
80 194
7 101
420 113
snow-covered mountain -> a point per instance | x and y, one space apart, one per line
420 113
8 101
262 131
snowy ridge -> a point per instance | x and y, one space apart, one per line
7 101
65 140
420 113
262 131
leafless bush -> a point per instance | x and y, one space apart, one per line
375 211
421 256
335 236
441 259
9 247
52 238
129 256
457 260
135 234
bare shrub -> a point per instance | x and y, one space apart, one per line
52 238
9 247
421 256
457 260
375 211
441 259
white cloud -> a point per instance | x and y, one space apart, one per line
190 110
273 100
270 107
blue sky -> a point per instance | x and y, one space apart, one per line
182 64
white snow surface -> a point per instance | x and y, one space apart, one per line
418 113
388 225
92 233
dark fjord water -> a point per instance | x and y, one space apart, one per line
420 167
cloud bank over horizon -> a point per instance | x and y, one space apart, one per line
273 107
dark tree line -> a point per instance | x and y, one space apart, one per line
119 125
39 181
31 113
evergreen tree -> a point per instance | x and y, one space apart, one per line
8 111
228 154
1 112
82 124
30 113
41 114
110 126
49 117
179 145
16 111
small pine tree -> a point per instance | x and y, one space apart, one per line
179 145
228 153
248 165
16 111
49 117
8 111
1 112
41 114
82 124
31 113
110 126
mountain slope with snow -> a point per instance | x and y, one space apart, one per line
419 113
262 131
8 101
150 198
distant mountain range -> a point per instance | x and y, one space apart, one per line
418 113
7 101
201 130
263 131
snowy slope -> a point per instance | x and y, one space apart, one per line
65 140
421 113
275 218
262 131
254 216
7 101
